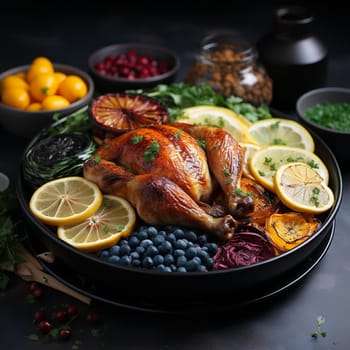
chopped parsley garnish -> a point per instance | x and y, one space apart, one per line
279 142
136 139
177 134
151 151
334 116
96 160
275 126
314 199
227 172
202 143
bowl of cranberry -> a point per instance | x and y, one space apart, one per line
120 67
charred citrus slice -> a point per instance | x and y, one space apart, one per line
288 230
120 112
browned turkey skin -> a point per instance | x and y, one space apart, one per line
168 173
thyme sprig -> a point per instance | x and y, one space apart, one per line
10 236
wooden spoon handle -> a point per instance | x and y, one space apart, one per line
29 273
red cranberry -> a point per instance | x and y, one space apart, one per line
45 327
131 65
39 316
61 315
65 333
38 292
72 310
92 318
33 286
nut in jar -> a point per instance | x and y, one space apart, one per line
228 63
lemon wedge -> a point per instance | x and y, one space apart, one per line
279 131
301 188
65 201
221 117
114 219
264 163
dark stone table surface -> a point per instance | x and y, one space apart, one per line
285 322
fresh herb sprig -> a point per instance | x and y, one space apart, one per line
177 96
318 331
10 237
77 121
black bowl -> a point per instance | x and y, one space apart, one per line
335 139
105 83
189 287
27 124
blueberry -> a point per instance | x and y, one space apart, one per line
158 239
142 234
160 267
209 263
147 262
114 259
171 238
146 242
158 259
191 236
140 250
173 267
181 269
152 231
168 259
135 255
202 268
125 249
181 244
104 254
202 254
136 262
181 261
202 239
151 250
134 241
123 241
193 264
179 233
178 252
212 248
190 252
167 269
125 260
114 250
162 233
165 248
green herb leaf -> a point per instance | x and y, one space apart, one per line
178 96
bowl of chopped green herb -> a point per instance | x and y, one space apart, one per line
326 111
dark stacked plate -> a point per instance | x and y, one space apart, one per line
247 283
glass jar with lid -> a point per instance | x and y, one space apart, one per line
229 64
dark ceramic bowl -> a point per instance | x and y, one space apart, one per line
337 140
106 83
28 123
197 287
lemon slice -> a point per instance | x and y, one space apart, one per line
278 131
114 219
65 201
266 161
221 117
302 189
249 149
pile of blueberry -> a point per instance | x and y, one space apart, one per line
167 248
